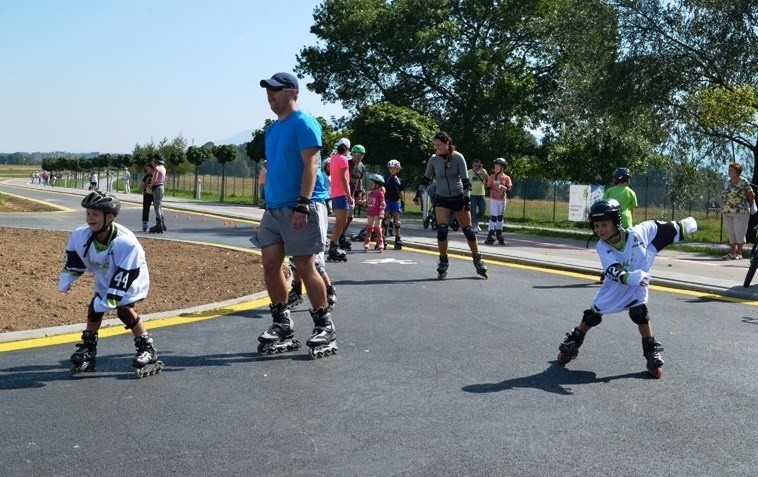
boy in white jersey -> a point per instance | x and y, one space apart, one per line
113 255
626 257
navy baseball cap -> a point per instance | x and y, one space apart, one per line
281 80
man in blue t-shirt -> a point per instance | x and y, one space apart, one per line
293 219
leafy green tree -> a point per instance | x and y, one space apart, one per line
197 156
473 66
393 132
224 154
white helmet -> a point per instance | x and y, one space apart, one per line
327 161
343 142
393 163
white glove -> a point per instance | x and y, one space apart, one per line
689 225
638 278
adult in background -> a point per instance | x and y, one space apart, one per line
357 171
738 201
159 177
93 180
448 168
478 176
342 200
146 187
262 186
624 195
127 177
292 222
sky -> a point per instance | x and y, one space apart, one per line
104 75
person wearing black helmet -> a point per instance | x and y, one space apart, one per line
623 194
626 256
113 255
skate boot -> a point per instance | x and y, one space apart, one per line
157 228
651 350
569 349
398 243
146 360
481 268
83 359
331 296
500 239
490 238
345 244
380 243
365 248
144 226
336 254
323 342
278 338
163 224
295 297
442 267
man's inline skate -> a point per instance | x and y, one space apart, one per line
336 254
442 267
481 268
651 350
295 296
323 342
279 337
84 358
398 243
146 360
345 244
490 240
569 349
500 238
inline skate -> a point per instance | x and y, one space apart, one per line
442 267
146 360
279 337
331 296
345 244
323 342
84 359
500 238
295 296
569 349
336 254
651 350
398 243
490 238
481 268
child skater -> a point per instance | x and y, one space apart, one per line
375 212
113 255
626 257
500 184
394 201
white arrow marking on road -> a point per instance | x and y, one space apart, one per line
377 261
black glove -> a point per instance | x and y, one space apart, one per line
302 204
466 202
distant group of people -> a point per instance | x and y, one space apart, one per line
46 178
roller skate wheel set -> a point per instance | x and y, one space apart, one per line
278 347
317 352
149 369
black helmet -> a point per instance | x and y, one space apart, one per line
606 209
500 161
622 174
100 201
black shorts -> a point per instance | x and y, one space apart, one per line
455 204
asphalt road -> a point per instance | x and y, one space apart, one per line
453 377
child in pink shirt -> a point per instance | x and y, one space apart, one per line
375 212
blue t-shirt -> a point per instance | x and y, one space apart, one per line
284 140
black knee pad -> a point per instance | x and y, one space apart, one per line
396 223
469 233
639 315
442 233
499 218
384 222
127 317
591 318
493 218
92 315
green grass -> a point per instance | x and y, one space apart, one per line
15 172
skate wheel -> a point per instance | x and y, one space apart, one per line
263 349
563 358
656 373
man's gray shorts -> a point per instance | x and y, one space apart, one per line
276 227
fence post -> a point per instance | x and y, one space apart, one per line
554 199
523 196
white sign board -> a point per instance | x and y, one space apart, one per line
581 197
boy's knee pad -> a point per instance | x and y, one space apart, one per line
92 315
442 233
127 317
396 223
499 218
469 233
493 218
639 315
384 222
591 318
